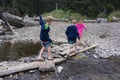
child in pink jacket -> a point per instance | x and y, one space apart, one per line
80 27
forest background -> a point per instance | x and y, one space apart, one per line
64 8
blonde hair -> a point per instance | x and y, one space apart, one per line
74 21
49 18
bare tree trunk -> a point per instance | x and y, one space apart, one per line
14 6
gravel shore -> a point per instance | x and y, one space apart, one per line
105 34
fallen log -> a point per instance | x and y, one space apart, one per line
65 52
115 20
59 60
47 65
6 25
53 19
18 21
84 49
101 20
90 21
43 66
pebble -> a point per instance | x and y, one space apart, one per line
1 79
95 56
60 68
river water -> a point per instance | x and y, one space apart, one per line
14 51
77 69
87 68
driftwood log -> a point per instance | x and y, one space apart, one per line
22 21
115 20
90 21
84 49
27 66
43 66
6 25
18 21
53 19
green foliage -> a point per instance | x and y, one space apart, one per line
103 15
74 15
90 8
116 14
68 14
25 7
113 14
56 14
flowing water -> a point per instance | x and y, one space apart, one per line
17 50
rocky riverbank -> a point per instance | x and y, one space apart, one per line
84 68
105 34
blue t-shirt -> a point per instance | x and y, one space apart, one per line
72 33
44 33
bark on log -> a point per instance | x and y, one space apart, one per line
43 66
18 21
27 66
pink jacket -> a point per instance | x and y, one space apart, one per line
80 27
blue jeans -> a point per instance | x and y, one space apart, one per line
46 44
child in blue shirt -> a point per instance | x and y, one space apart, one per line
72 35
44 37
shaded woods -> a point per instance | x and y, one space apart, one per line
90 8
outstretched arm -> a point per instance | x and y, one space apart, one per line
41 21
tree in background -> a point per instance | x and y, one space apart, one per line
90 8
14 6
